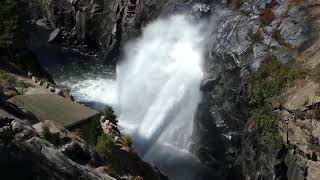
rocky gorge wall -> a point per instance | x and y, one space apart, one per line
94 26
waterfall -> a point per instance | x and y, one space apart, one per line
158 83
156 92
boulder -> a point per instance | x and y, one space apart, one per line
21 149
46 85
34 79
57 135
81 154
58 91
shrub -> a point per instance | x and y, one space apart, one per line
94 132
6 76
105 146
22 87
109 114
269 80
45 132
267 124
127 140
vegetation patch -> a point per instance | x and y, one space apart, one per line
109 114
127 140
235 4
6 77
93 131
105 146
45 132
22 87
102 142
267 124
268 81
265 84
266 16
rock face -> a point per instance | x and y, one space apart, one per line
296 155
58 154
100 26
15 56
244 38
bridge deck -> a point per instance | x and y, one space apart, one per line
55 108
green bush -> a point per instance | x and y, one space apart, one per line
6 76
267 124
269 80
127 140
22 87
93 132
45 132
109 114
105 146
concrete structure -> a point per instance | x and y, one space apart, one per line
62 111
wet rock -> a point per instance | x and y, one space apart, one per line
54 35
41 23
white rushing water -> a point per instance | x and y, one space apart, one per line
156 92
159 83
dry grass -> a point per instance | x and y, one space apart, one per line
278 37
296 1
266 17
235 4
